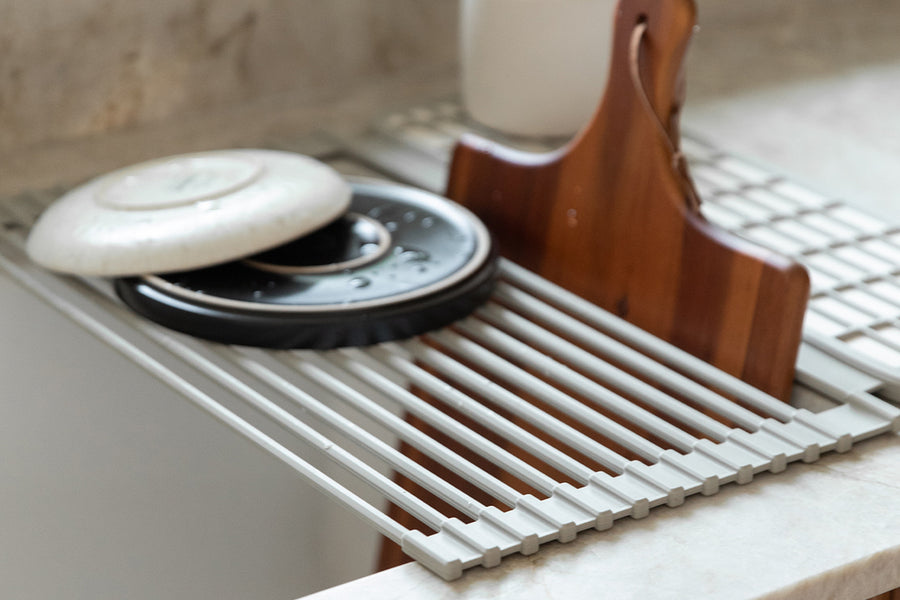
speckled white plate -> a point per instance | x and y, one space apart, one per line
185 212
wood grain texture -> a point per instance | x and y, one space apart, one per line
892 595
611 218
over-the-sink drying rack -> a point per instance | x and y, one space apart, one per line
660 425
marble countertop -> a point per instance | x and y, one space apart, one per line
809 88
825 530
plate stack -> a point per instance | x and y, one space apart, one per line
273 249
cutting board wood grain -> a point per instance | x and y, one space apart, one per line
613 216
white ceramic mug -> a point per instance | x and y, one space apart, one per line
535 67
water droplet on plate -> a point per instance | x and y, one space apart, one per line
391 226
369 248
409 216
208 205
412 255
427 222
359 282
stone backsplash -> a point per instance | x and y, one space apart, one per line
72 68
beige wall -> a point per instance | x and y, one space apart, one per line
72 68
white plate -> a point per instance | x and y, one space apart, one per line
185 212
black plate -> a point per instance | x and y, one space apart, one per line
401 263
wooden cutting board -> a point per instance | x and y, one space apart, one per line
613 216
